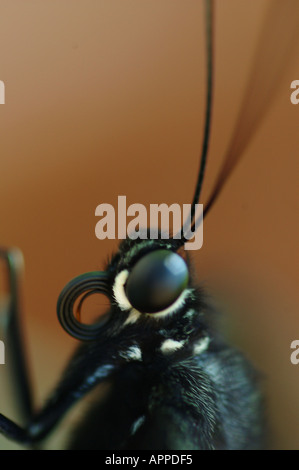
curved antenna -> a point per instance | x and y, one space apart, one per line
275 47
190 224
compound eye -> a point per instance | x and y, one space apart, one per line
156 281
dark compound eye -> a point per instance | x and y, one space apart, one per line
156 281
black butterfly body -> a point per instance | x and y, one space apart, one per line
173 382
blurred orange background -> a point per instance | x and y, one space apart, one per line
106 98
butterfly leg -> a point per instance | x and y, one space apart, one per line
10 318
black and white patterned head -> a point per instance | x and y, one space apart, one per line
155 307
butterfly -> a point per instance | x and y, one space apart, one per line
174 382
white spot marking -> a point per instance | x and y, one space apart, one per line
189 314
170 345
119 290
133 317
133 353
201 345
